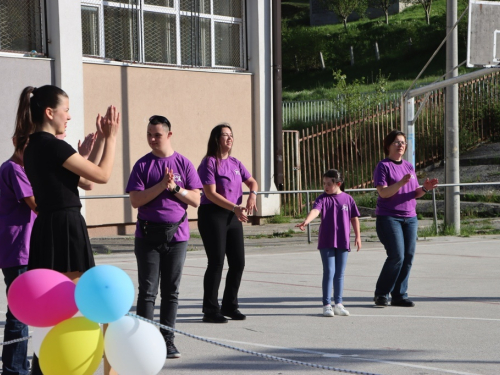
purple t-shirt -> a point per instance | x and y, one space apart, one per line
403 203
227 176
337 210
16 217
166 207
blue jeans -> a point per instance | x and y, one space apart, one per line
159 266
399 237
14 356
334 262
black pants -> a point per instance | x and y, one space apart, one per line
222 235
159 266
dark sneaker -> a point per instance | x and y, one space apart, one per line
381 301
234 315
214 318
403 303
172 351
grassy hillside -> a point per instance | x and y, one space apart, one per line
400 62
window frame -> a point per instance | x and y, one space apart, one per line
141 7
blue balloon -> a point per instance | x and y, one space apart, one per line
104 294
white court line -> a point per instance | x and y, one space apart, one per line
331 355
427 317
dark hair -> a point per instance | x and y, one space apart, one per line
157 119
389 139
335 175
30 113
213 147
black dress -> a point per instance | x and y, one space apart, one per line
59 239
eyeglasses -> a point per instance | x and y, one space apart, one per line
399 143
227 135
157 119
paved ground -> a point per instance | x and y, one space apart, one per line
454 328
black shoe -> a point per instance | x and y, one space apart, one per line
214 318
403 303
381 301
234 315
172 351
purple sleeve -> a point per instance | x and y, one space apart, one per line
318 203
380 175
192 179
354 209
20 184
135 182
245 175
206 171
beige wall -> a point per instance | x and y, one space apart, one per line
193 101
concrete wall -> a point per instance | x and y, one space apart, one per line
193 101
16 73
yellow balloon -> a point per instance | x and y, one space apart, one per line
73 347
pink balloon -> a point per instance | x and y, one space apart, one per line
42 298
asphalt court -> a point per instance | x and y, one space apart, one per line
453 329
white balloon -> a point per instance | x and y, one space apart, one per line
133 347
37 337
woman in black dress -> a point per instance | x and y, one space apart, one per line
59 239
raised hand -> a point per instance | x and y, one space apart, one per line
110 123
85 147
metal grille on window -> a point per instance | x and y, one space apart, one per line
90 30
121 36
196 33
229 8
195 41
21 26
227 44
160 38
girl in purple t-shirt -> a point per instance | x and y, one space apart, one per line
337 209
397 223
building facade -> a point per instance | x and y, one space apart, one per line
197 62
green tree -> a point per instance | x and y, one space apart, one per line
344 8
383 5
426 4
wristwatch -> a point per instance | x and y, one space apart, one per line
176 189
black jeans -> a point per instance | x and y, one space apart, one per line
14 356
159 266
222 235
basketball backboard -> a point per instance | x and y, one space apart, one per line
483 34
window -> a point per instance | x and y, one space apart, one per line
21 26
196 33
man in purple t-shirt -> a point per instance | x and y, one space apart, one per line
17 214
162 185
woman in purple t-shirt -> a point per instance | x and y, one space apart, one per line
219 222
338 210
397 222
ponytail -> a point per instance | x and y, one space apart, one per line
30 113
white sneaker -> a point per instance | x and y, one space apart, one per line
340 310
327 310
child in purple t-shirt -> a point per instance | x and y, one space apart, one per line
337 209
17 214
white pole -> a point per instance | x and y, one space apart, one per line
452 167
409 130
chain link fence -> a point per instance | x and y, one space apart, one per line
182 33
22 26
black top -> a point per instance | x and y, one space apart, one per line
54 186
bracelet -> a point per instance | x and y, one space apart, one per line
184 193
424 189
234 208
253 192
